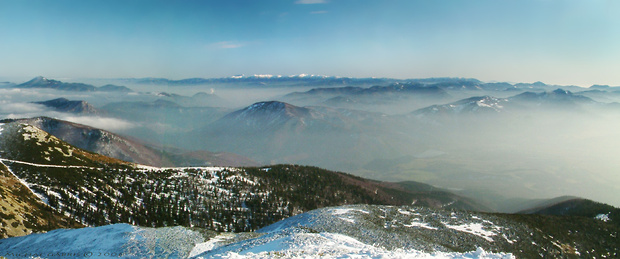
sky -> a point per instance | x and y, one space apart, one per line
558 42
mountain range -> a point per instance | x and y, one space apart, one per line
348 128
291 134
429 163
95 190
288 132
65 105
42 82
128 149
301 80
362 231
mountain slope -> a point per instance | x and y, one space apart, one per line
22 212
65 105
357 231
128 149
285 133
482 104
98 190
200 99
114 88
579 207
428 230
490 105
42 82
112 241
98 141
265 114
558 98
375 95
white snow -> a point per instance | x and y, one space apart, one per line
45 165
111 241
404 212
211 244
348 220
327 245
263 76
417 223
340 211
43 199
343 211
205 168
473 228
285 239
603 217
84 242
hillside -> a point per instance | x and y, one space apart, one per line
21 210
98 190
326 137
65 105
98 141
354 231
578 207
130 149
46 83
42 82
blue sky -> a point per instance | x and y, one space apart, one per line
560 42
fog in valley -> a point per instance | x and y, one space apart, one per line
499 143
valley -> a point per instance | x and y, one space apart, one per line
309 129
213 165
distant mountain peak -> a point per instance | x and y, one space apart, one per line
66 105
268 115
267 105
558 96
42 82
165 94
470 105
269 76
274 107
203 94
114 88
561 91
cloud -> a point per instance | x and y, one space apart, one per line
318 12
226 45
110 124
20 108
310 2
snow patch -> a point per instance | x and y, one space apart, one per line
340 211
210 245
417 223
327 245
473 228
603 217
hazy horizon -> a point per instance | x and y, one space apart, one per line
562 43
556 42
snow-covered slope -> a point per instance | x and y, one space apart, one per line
482 104
293 238
112 241
42 82
338 232
70 106
370 231
354 231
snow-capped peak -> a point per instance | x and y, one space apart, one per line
270 76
